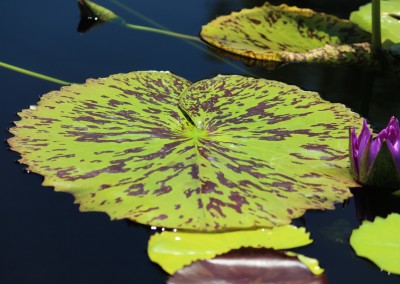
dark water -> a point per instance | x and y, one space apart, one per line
43 237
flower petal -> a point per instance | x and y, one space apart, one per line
362 141
375 161
394 150
392 135
383 171
374 149
354 160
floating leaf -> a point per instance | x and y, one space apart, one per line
92 15
379 241
283 33
248 61
390 20
90 9
251 266
174 250
227 152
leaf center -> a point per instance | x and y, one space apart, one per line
195 133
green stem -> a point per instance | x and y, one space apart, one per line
147 29
167 32
376 25
33 74
139 15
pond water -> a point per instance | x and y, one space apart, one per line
43 236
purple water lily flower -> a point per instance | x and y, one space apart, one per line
375 161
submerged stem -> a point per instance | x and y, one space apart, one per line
376 25
33 74
154 30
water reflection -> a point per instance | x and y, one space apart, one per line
373 202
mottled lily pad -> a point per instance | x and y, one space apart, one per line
390 20
379 241
290 34
222 153
249 265
174 250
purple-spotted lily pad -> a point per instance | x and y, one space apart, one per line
222 153
289 34
248 265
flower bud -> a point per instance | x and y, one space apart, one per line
375 159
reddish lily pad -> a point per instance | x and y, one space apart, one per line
289 34
249 265
222 153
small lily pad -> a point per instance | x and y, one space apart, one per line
379 241
92 15
173 250
248 265
390 20
290 34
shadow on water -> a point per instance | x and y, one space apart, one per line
374 202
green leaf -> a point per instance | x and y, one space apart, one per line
222 153
174 250
248 265
390 20
93 10
379 241
92 15
283 33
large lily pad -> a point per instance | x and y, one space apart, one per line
222 153
379 241
390 20
291 34
174 250
249 265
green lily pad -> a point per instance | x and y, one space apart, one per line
249 265
290 34
390 20
92 15
379 241
174 250
89 9
222 153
